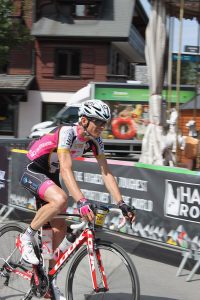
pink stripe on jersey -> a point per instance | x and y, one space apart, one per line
44 187
44 145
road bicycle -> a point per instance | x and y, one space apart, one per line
98 269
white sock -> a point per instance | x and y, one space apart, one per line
29 234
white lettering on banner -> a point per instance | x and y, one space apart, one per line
96 196
142 204
182 201
186 196
93 178
138 203
78 175
133 184
126 183
125 198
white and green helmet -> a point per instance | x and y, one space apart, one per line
95 109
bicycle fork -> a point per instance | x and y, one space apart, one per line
94 254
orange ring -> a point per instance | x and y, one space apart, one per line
117 123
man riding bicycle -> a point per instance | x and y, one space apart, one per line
51 156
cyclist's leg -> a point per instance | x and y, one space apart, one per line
12 285
121 275
56 200
48 189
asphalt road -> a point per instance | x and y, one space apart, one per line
157 268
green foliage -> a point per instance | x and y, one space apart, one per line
13 31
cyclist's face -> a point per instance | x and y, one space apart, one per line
95 126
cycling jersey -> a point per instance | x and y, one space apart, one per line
44 151
42 168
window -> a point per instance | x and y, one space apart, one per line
68 62
7 117
84 11
119 65
87 9
59 113
49 110
68 115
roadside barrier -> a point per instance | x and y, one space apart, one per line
167 200
5 212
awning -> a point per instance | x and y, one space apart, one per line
18 84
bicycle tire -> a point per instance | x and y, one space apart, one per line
18 287
120 271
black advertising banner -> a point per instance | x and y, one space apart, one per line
167 199
3 175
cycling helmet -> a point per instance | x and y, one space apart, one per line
95 109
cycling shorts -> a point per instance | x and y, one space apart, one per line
36 180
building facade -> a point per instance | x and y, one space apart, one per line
73 43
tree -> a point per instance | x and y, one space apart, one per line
13 30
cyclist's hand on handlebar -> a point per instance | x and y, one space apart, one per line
85 208
127 211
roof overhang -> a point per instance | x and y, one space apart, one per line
15 84
133 47
191 8
130 52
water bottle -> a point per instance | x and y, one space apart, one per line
47 246
64 245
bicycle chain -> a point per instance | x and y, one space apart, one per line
41 288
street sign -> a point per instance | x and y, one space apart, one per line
192 49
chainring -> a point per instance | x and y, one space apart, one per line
42 287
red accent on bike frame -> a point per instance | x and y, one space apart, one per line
88 238
65 256
35 274
85 237
90 247
98 255
26 275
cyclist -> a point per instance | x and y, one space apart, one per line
52 155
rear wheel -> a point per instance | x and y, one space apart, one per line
122 278
12 286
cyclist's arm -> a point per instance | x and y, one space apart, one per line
113 188
108 178
67 174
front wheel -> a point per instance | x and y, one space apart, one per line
12 285
122 278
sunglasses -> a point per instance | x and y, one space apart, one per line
97 122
